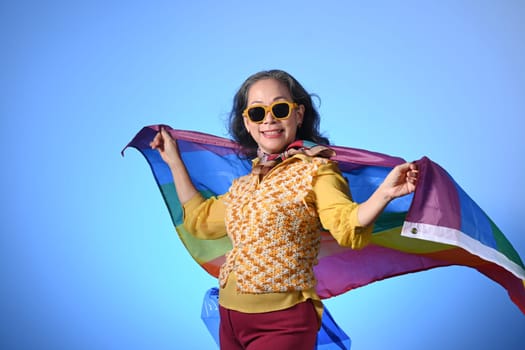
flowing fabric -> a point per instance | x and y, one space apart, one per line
437 225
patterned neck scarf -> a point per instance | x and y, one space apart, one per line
268 161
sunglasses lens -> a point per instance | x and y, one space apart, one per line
256 114
281 110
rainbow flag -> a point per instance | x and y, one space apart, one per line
437 225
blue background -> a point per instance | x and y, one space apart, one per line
88 256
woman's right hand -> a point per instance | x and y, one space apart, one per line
169 151
167 147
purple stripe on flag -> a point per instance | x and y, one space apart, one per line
197 141
192 146
209 142
354 158
436 200
142 139
361 267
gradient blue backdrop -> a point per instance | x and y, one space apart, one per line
88 256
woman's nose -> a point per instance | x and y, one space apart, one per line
268 118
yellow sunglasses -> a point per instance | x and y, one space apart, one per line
280 110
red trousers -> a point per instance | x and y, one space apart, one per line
294 328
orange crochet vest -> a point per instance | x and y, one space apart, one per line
274 228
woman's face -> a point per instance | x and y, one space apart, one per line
273 135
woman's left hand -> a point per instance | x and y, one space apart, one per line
401 180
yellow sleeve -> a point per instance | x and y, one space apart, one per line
337 211
204 218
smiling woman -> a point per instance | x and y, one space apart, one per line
412 235
268 88
272 134
88 258
274 217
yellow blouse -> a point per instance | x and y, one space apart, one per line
204 218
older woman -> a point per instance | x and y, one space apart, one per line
274 215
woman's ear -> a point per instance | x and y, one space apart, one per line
300 115
245 121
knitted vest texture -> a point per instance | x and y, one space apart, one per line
274 229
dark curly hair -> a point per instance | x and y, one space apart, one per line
309 129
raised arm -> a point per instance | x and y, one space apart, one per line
169 151
399 182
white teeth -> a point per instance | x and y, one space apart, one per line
274 132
